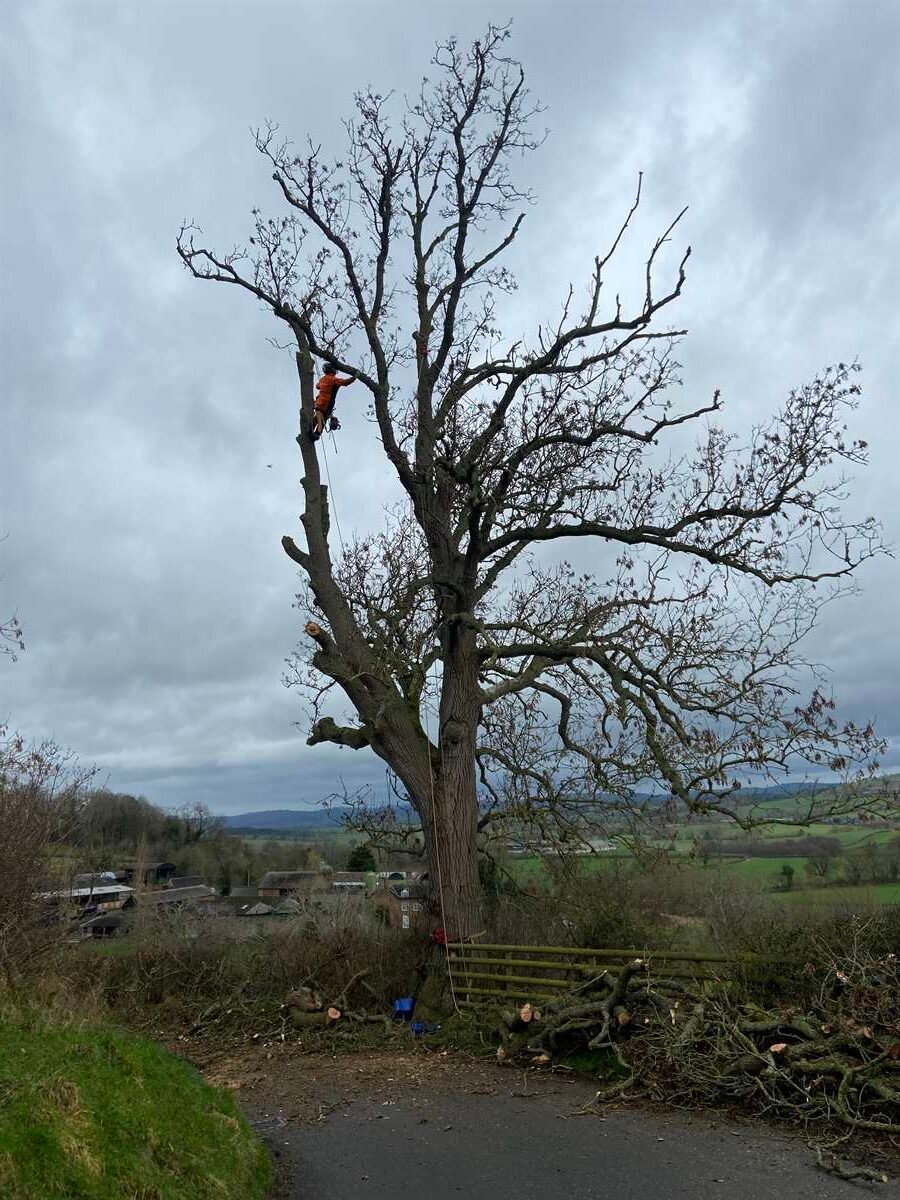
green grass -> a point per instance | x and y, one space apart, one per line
529 868
302 836
863 896
90 1113
765 870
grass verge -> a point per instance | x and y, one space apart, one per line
87 1111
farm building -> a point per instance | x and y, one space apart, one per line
102 898
152 874
104 925
279 884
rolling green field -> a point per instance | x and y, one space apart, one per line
864 896
301 837
764 871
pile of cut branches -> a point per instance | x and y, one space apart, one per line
835 1057
309 1010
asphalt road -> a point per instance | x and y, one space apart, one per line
504 1146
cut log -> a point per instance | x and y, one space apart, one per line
305 999
309 1020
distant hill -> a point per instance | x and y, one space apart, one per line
772 792
279 820
298 820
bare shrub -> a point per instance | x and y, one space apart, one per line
207 973
41 790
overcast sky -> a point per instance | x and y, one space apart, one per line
141 408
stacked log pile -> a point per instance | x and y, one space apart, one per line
696 1042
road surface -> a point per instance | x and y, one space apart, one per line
494 1135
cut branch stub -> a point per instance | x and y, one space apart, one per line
327 730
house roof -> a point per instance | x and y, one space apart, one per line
257 910
179 895
351 876
244 890
187 881
288 907
288 878
104 891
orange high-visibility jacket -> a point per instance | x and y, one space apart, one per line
326 390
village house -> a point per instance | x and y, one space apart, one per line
401 905
338 906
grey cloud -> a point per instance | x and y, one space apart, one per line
141 408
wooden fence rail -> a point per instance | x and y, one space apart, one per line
488 970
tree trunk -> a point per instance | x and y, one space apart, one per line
450 828
450 823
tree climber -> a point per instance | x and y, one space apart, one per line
326 394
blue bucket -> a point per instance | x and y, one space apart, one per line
403 1008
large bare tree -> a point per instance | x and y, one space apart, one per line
556 692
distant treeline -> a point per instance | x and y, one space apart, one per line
111 827
799 847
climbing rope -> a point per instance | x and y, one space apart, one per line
337 523
436 839
440 743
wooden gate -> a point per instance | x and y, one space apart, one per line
490 971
